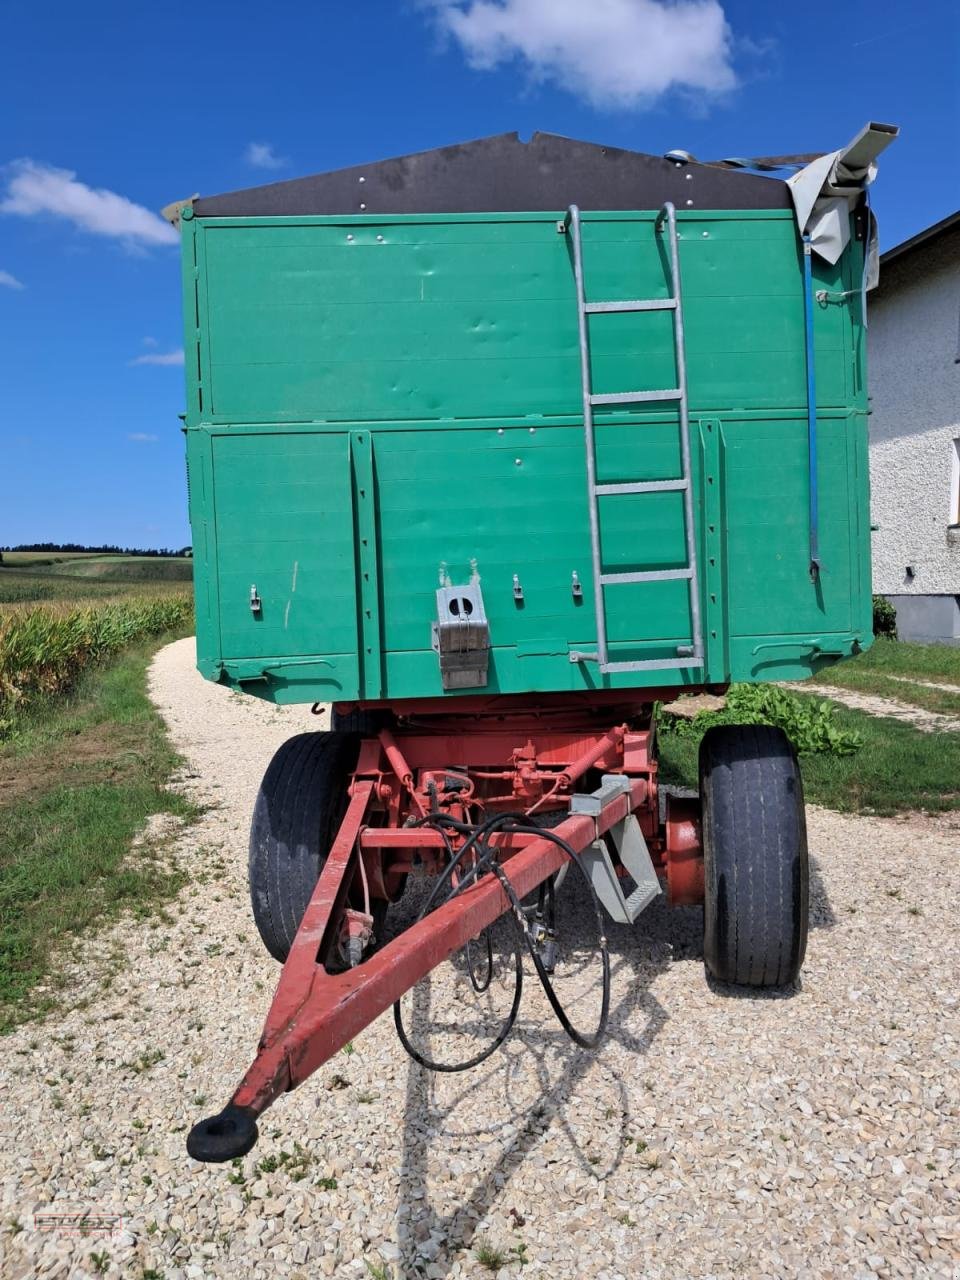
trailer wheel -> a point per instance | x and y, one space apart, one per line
366 723
301 800
756 873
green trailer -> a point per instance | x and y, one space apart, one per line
493 448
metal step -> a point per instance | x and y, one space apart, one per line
632 849
641 486
637 304
645 575
643 664
635 397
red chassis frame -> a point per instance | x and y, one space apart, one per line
491 757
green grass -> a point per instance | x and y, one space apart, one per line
896 769
81 777
898 658
871 672
489 1256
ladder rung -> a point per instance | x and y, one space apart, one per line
645 575
636 304
635 397
641 486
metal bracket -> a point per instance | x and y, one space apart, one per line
631 848
461 637
256 604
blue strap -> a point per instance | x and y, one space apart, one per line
814 515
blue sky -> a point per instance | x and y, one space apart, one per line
153 103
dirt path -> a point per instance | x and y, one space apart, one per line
873 705
812 1135
926 684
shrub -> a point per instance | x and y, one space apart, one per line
884 618
809 725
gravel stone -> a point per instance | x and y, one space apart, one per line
805 1134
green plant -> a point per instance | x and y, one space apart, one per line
489 1256
809 725
519 1252
884 618
100 1261
377 1270
43 650
140 1065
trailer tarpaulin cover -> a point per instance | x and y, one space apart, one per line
825 191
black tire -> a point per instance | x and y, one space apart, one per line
301 801
756 871
365 723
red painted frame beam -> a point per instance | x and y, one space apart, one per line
315 1013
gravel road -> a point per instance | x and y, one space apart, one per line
809 1135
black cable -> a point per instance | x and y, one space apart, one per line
578 1037
488 862
437 821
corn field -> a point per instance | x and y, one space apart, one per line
44 649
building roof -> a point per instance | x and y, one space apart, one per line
504 174
925 237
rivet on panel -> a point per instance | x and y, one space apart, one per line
362 205
380 239
518 462
689 204
706 235
361 179
349 237
499 431
533 431
689 177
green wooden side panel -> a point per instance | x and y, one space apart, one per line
374 404
477 319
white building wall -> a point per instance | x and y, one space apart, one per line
914 383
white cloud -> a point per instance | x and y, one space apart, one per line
11 282
159 357
150 342
34 188
261 155
142 437
613 53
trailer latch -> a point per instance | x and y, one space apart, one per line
461 637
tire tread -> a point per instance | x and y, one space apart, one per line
755 856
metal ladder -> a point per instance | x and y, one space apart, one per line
688 655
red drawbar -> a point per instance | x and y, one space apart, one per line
521 763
